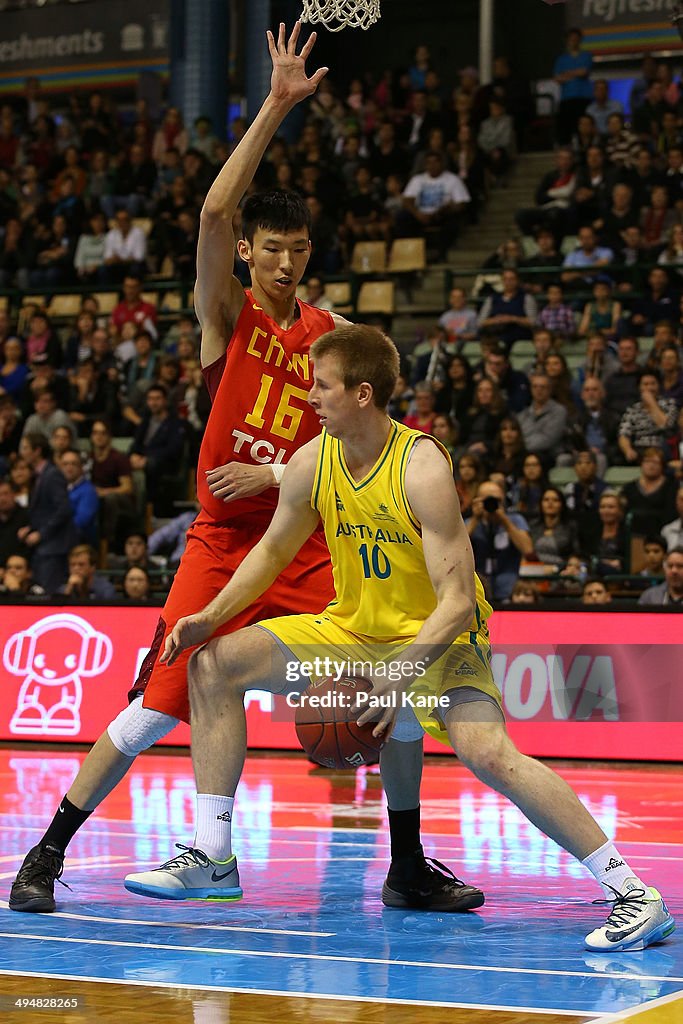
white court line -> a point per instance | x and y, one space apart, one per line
654 1004
329 958
179 924
293 995
380 832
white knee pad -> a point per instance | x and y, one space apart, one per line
407 728
137 728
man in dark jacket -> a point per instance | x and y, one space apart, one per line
159 443
50 531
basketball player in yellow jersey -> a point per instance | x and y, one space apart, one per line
406 586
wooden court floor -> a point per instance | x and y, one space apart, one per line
311 941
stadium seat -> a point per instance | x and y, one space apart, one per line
524 347
559 476
339 294
617 476
172 302
369 258
407 254
376 297
64 305
107 301
471 350
575 362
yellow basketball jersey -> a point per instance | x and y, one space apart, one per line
381 581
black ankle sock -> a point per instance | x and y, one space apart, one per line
404 830
64 825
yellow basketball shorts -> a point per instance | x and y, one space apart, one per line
323 647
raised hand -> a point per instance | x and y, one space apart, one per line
289 82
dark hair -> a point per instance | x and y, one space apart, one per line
103 423
277 210
136 533
137 568
39 441
593 579
563 501
655 538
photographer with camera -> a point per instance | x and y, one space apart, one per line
499 539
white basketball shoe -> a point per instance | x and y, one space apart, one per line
189 876
638 918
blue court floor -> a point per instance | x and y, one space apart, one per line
313 850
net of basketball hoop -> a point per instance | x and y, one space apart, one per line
338 14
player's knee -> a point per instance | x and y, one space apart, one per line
201 675
208 671
485 751
137 728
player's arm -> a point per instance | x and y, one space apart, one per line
293 523
219 296
430 489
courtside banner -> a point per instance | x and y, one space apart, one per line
574 684
93 45
624 26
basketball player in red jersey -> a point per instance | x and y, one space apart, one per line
254 355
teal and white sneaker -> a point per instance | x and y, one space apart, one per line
638 918
189 876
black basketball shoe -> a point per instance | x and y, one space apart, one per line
421 883
34 887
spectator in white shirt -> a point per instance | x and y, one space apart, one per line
432 202
125 249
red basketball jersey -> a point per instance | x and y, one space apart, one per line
260 412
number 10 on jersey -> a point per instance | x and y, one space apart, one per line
375 562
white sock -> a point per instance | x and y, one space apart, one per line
214 820
609 868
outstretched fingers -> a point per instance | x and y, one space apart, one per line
291 45
272 48
308 45
317 78
282 39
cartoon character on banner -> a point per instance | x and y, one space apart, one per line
54 655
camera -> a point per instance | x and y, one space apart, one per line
491 504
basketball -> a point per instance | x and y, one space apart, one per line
326 724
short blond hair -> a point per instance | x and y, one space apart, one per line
366 355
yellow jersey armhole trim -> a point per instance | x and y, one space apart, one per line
410 446
319 472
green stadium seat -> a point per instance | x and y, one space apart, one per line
617 476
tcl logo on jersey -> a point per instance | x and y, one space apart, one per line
261 451
53 655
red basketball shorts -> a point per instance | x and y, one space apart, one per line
212 555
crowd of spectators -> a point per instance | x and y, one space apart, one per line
102 411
